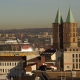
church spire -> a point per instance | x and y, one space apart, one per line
58 18
70 17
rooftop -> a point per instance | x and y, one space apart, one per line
12 58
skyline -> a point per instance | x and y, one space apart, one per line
18 14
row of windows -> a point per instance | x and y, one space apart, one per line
70 29
76 65
9 64
67 39
76 60
72 25
72 50
75 55
9 70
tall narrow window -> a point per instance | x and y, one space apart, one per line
73 34
0 70
76 65
79 65
76 60
10 64
3 70
79 60
79 55
76 55
73 29
73 39
0 63
73 60
73 55
73 65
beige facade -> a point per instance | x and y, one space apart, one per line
71 59
11 66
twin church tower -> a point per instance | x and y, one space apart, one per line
64 33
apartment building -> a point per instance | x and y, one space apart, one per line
71 59
12 66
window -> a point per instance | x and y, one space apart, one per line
73 65
76 65
73 39
76 60
73 29
73 55
15 64
73 34
76 55
76 49
79 55
0 63
3 70
73 24
10 64
73 60
79 65
7 64
79 60
70 49
0 70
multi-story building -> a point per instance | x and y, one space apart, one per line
71 59
12 66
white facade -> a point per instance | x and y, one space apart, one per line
11 68
3 77
71 59
33 67
53 56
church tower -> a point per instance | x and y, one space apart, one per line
70 31
64 33
57 29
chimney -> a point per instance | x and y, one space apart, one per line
42 58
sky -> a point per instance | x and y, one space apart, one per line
21 14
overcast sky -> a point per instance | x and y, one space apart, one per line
15 14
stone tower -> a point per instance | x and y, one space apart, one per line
58 31
64 33
70 31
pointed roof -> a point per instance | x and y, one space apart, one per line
70 17
58 18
